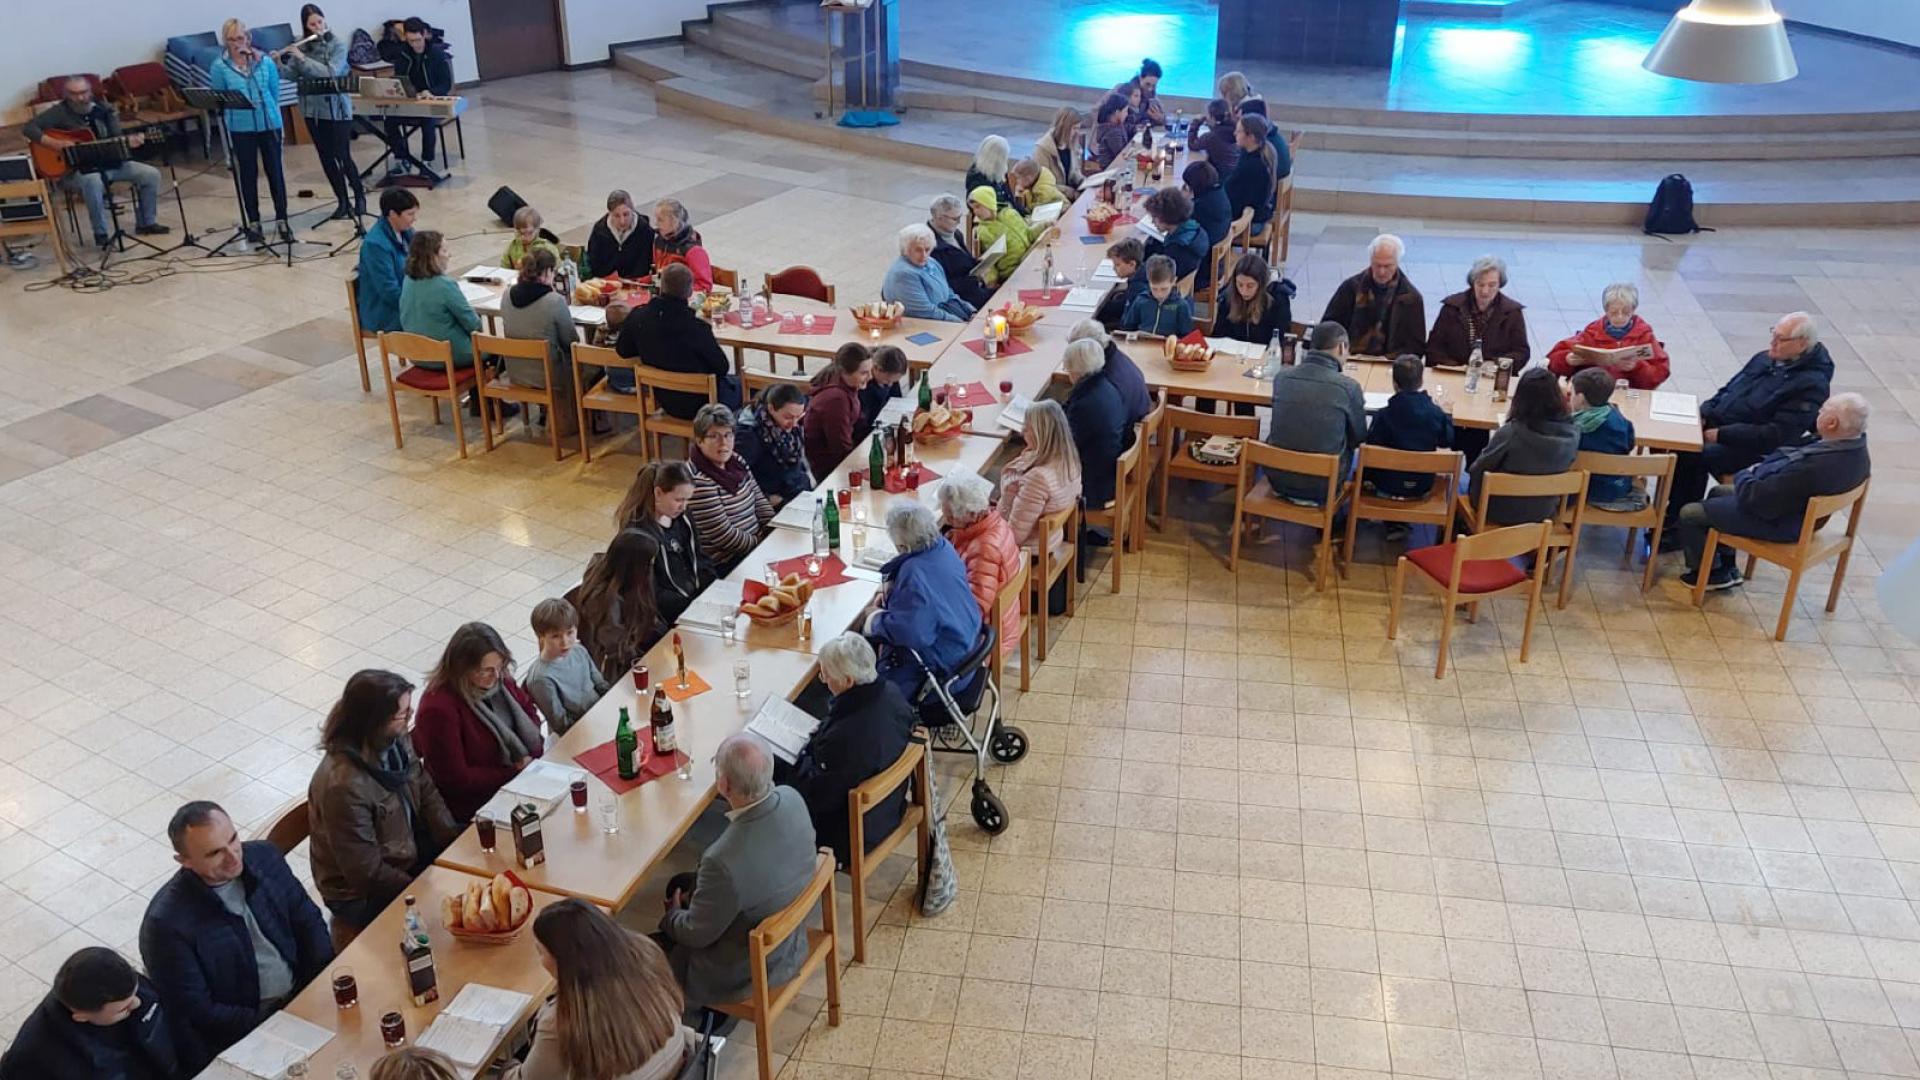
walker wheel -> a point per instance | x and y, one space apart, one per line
988 811
1008 746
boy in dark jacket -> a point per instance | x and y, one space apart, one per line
1603 430
1126 256
889 377
1162 311
102 1021
1412 422
667 335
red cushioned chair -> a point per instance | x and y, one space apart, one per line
1472 569
434 385
800 281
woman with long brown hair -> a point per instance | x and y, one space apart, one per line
431 304
619 614
476 728
615 1013
657 503
1257 304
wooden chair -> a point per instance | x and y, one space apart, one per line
1472 569
1569 487
500 388
873 791
657 423
445 384
361 335
1658 470
754 382
1177 426
766 1002
1254 498
49 225
729 278
1436 509
597 398
801 281
573 252
1153 430
1124 514
1280 229
288 827
1185 284
1012 594
1050 560
1796 557
1220 259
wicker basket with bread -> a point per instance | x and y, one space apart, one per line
493 913
879 314
778 605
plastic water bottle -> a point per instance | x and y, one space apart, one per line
1473 369
821 547
1270 363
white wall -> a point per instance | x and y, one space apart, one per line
1892 20
590 26
52 38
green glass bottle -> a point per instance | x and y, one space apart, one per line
876 463
626 747
832 514
926 392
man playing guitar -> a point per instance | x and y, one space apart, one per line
78 112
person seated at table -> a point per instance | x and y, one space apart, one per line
1382 311
946 216
1214 136
1147 111
729 511
1110 132
1234 89
667 335
1033 186
1163 311
1185 240
989 168
925 605
527 239
657 502
865 731
889 381
833 421
1097 419
1059 150
1129 258
230 937
1045 478
621 243
1258 305
1770 403
1211 208
78 111
761 862
615 1010
619 603
1129 92
1282 153
102 1020
1537 439
1121 371
1604 430
1483 315
415 1063
767 437
476 728
1768 500
432 305
985 542
377 819
531 310
917 283
675 240
1619 328
562 680
381 270
1250 185
996 220
1410 421
1317 409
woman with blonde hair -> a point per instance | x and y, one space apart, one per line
1233 86
1045 478
414 1063
615 1012
1059 151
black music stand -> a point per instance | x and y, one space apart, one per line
207 100
99 157
342 84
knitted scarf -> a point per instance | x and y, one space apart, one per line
729 474
1589 420
783 444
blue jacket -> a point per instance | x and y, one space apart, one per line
1769 500
1187 246
874 397
1126 377
778 481
930 609
1410 421
1170 317
1613 436
1214 211
49 1044
201 955
262 87
866 730
1097 419
382 267
924 291
1769 405
1114 305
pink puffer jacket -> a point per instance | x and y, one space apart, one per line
992 558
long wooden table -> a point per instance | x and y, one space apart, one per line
771 339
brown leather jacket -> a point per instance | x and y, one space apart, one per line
1503 335
365 852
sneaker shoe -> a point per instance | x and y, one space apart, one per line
1721 577
155 229
1670 541
101 239
1397 531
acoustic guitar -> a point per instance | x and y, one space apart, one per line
50 154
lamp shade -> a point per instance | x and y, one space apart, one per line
1724 41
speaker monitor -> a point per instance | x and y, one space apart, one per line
505 204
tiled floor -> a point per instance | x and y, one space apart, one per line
1254 839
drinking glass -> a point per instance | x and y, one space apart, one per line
683 768
813 566
742 679
1006 391
393 1029
729 623
806 323
610 813
578 791
483 829
949 386
346 991
639 677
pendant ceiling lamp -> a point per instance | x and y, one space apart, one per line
1724 41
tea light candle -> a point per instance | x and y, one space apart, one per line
1000 326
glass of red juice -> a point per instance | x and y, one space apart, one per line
346 991
639 677
393 1029
578 789
483 828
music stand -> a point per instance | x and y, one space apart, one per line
207 100
100 157
341 84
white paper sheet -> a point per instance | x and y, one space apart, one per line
987 257
500 808
479 295
1377 399
795 513
498 274
1084 297
467 1042
706 612
1104 273
1245 350
896 410
1014 416
279 1041
783 726
588 315
488 1004
1097 179
543 781
1675 406
1046 215
1145 228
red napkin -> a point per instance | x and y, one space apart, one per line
1194 337
603 761
1013 346
832 570
1043 297
968 395
897 483
1125 219
764 318
791 324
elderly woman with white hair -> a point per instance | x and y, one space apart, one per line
989 168
918 283
1480 315
1098 420
1620 327
866 729
925 604
947 217
675 240
729 511
986 543
1382 311
1122 372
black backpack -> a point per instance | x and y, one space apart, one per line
1671 210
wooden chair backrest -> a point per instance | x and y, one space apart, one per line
1570 487
1441 463
1155 421
729 278
1191 422
1185 284
1502 543
353 306
1821 507
416 347
1012 594
653 380
801 281
290 826
600 356
870 792
1598 464
1255 454
779 926
516 348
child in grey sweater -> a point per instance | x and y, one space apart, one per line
563 681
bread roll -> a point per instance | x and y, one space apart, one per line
470 907
501 886
450 911
519 905
488 922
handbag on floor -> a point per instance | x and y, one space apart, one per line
938 884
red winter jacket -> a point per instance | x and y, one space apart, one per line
460 753
992 556
1641 375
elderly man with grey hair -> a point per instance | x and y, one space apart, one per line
78 111
1382 311
925 606
757 866
947 217
1122 372
917 283
1098 419
1768 500
866 730
1772 402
